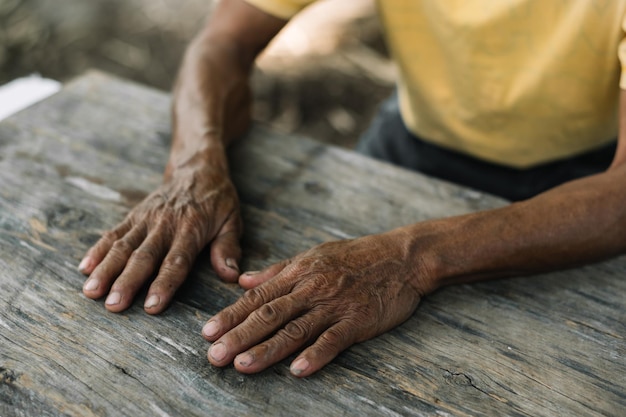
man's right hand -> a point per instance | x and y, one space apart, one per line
197 203
162 236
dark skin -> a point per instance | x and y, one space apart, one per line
197 204
336 294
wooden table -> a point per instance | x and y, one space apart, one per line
73 165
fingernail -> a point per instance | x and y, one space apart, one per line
86 262
218 352
210 329
91 285
252 272
152 301
299 366
113 299
245 359
232 264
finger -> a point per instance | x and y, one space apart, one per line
97 252
141 265
332 342
226 251
251 300
172 274
113 263
259 325
253 279
289 339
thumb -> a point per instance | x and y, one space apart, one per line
226 251
255 278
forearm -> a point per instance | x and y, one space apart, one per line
198 108
573 224
211 96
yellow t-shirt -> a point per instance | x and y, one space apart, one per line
515 82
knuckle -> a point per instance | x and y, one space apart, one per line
165 285
255 296
266 314
239 337
143 255
165 225
234 313
227 315
122 246
178 261
334 339
109 236
286 262
297 331
193 236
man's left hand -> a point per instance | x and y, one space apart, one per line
334 295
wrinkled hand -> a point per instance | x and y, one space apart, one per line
162 236
334 295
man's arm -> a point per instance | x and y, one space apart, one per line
197 203
341 293
573 224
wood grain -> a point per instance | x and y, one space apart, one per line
72 166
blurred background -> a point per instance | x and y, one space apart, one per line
323 77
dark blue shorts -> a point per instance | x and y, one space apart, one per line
389 140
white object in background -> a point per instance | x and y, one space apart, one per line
23 92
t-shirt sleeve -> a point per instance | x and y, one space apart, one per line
621 53
284 9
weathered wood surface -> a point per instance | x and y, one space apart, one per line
71 167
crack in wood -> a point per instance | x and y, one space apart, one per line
469 381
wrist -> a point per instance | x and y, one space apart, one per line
417 248
209 156
440 253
